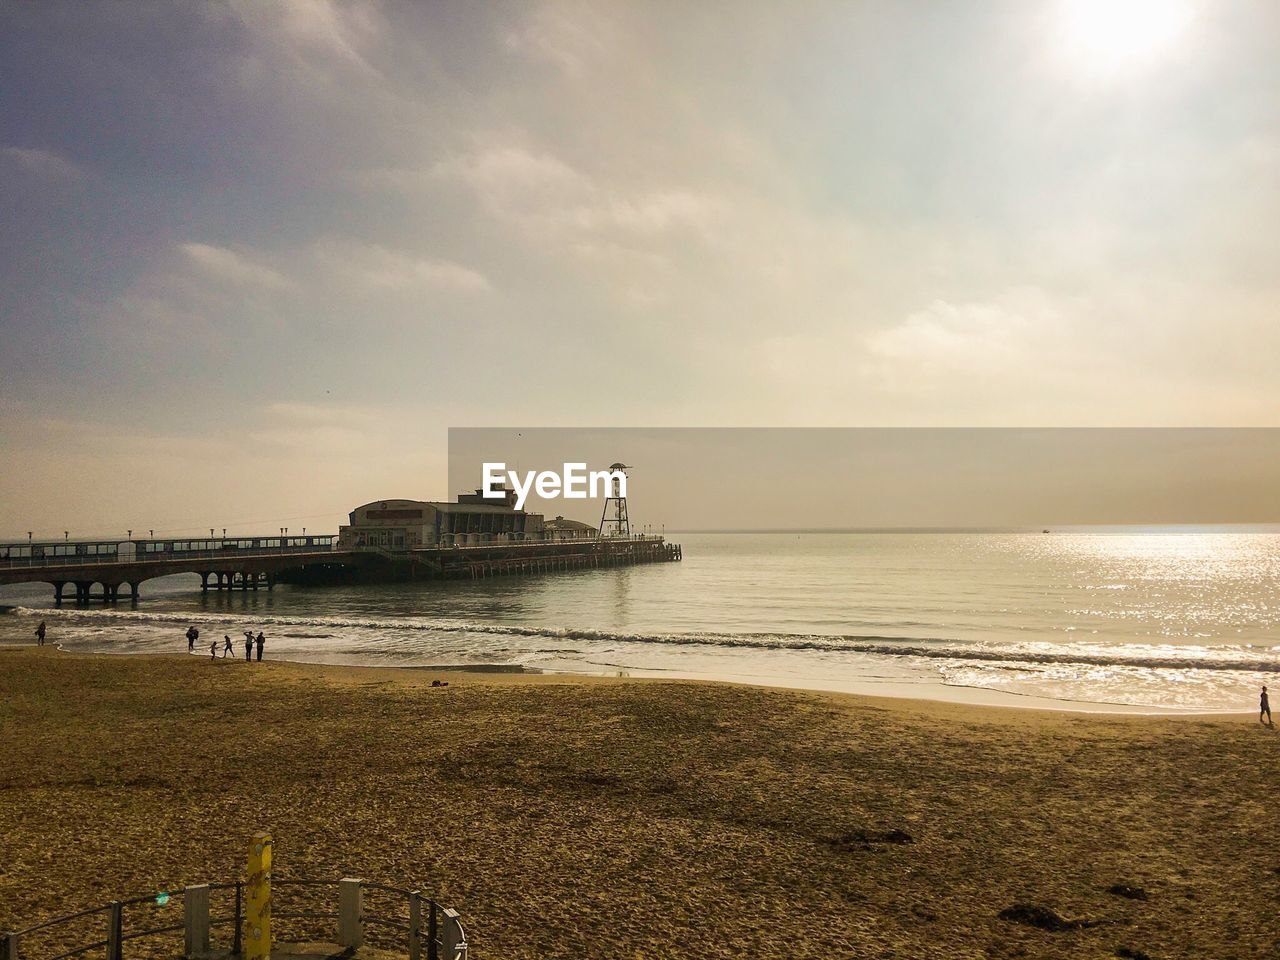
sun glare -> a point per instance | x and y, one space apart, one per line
1111 35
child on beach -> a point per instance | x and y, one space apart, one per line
213 650
1264 709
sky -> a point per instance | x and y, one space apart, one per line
257 257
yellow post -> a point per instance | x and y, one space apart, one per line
257 920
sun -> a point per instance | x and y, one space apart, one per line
1112 35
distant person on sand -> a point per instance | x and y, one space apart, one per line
248 645
260 641
226 647
40 630
1264 709
213 650
192 636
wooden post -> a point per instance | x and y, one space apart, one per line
453 940
415 925
258 887
10 946
350 904
115 931
195 910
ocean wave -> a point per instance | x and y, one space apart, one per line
1237 658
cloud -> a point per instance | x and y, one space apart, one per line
233 268
967 337
332 30
381 268
45 164
570 37
549 199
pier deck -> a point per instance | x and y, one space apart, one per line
248 563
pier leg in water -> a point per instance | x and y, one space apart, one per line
57 592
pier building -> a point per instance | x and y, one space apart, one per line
472 520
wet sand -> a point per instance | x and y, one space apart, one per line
595 817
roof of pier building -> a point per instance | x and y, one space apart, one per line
560 523
400 511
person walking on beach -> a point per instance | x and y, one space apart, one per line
1264 709
226 647
248 646
192 636
260 641
40 630
213 650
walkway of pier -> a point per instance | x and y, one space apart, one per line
250 563
244 562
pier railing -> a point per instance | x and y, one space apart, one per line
418 923
157 551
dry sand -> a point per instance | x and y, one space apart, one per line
623 818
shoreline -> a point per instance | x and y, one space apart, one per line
906 695
1136 678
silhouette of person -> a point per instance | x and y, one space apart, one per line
260 641
40 631
213 650
1264 709
226 647
192 636
248 645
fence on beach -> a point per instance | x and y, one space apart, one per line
404 918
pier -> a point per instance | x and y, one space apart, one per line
110 570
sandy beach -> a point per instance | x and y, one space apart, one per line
624 818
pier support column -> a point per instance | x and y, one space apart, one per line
244 580
204 581
57 592
82 591
133 590
271 582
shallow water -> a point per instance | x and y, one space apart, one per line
1182 618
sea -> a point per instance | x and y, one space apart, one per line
1144 620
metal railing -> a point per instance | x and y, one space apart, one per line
439 934
224 552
